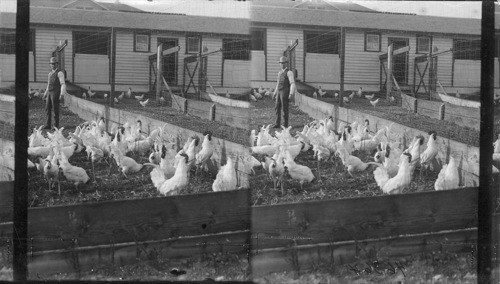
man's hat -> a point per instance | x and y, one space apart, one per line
283 59
53 60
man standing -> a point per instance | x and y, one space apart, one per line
56 87
285 88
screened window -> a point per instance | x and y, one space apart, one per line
423 44
236 49
91 43
326 42
192 44
258 39
372 42
467 49
141 43
8 42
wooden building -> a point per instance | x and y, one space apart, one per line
317 26
86 28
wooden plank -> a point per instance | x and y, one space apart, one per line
80 259
303 258
233 116
428 108
364 218
6 201
229 102
138 220
178 103
199 109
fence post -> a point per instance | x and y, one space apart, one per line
212 112
388 85
159 69
415 105
441 112
185 110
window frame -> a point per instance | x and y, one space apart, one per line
136 46
379 41
8 48
198 37
314 34
233 55
458 56
418 51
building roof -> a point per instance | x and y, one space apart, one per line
113 6
413 23
313 4
141 21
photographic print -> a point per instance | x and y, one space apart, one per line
264 141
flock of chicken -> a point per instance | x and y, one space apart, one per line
170 168
394 166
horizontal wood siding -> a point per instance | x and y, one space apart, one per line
131 67
7 69
467 73
361 67
214 68
277 41
31 62
236 73
322 68
46 42
258 65
444 72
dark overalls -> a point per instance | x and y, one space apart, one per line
282 97
53 98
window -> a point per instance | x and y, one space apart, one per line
236 49
193 44
8 42
91 43
258 39
141 42
467 49
372 42
423 44
322 42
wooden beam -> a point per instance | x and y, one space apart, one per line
388 86
396 52
365 218
159 70
303 258
138 220
78 259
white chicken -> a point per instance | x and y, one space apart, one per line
252 138
370 97
176 183
121 96
261 90
276 171
264 150
351 96
397 183
226 177
321 92
168 160
129 93
127 164
74 174
84 95
315 95
360 92
346 100
430 153
415 150
301 173
353 163
206 152
448 177
139 98
321 153
375 102
252 98
91 94
144 103
336 95
51 173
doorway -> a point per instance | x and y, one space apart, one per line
400 61
170 60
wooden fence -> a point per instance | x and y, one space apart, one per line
77 237
466 155
462 116
238 117
222 149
